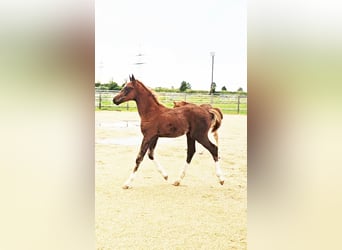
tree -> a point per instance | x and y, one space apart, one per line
113 85
240 89
184 86
224 88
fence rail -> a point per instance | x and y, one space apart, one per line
229 104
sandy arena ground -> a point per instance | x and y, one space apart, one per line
198 214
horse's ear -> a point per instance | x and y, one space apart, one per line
132 79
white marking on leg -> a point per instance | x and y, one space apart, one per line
219 173
160 169
128 183
182 174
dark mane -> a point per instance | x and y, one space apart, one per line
152 93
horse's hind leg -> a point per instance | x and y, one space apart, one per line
143 148
151 156
214 152
190 153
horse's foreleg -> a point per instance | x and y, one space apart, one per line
156 163
214 152
190 153
143 148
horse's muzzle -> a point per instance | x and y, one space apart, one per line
116 100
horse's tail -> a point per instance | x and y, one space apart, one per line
217 117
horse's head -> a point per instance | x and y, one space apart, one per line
127 93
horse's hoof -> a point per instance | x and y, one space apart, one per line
222 182
176 183
125 187
166 177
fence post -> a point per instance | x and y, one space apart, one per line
100 100
238 107
127 107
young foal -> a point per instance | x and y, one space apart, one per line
216 114
160 121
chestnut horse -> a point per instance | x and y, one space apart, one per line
160 121
216 116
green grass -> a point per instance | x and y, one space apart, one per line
228 105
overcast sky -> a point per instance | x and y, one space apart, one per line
175 38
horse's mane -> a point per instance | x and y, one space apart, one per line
152 93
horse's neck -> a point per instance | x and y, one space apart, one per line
148 106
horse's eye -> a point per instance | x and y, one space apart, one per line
127 90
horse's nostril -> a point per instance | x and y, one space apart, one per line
115 101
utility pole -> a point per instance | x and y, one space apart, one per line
139 63
212 72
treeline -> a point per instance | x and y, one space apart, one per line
190 91
111 85
184 87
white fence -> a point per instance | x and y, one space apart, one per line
233 104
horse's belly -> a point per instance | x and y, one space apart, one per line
172 130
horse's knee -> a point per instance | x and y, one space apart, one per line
138 160
137 163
